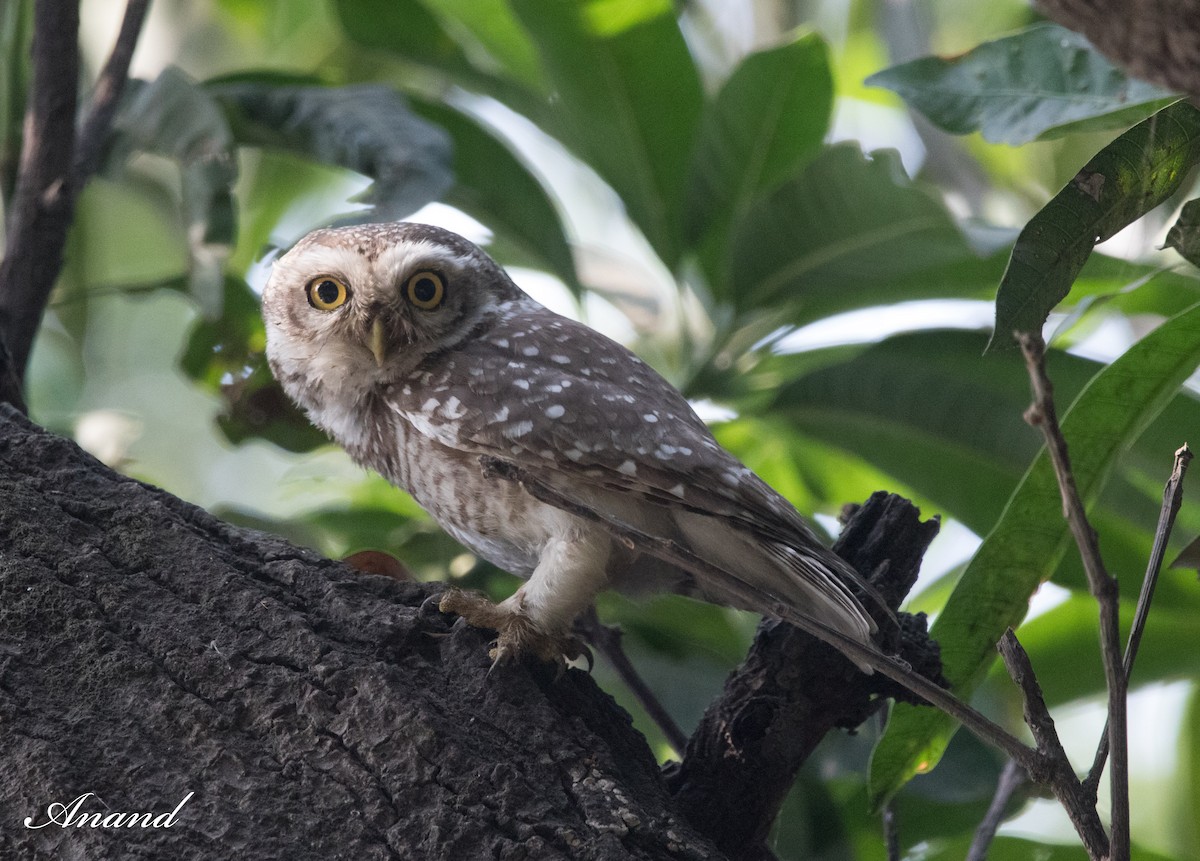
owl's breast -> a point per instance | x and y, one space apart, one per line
492 517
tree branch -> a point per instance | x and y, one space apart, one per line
43 200
1062 780
106 95
53 169
1172 499
1043 414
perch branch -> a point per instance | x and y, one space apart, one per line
1062 780
1172 499
607 640
1042 414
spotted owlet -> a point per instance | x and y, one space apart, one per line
416 352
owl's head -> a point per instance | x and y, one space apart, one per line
368 302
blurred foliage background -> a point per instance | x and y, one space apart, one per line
722 185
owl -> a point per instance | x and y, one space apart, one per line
416 352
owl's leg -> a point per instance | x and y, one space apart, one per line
537 619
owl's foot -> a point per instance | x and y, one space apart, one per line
516 634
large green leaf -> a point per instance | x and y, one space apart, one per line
1125 180
767 121
368 129
626 99
850 231
1028 85
1032 536
492 184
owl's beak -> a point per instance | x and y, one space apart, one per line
377 345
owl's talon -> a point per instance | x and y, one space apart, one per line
517 636
430 601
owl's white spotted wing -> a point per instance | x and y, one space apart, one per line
588 418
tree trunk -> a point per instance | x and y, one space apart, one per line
152 655
149 651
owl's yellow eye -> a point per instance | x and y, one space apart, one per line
426 290
326 293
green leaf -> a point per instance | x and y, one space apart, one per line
493 185
1125 180
405 28
1184 235
851 231
366 128
1031 537
627 100
1028 85
927 408
1063 640
491 37
767 121
175 117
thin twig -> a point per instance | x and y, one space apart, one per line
891 831
1011 778
898 671
1063 782
1103 587
607 640
1172 499
106 95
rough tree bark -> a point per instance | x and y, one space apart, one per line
148 650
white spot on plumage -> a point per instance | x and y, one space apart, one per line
529 351
430 405
518 429
628 467
573 454
650 417
502 343
521 384
555 411
501 415
562 360
678 490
